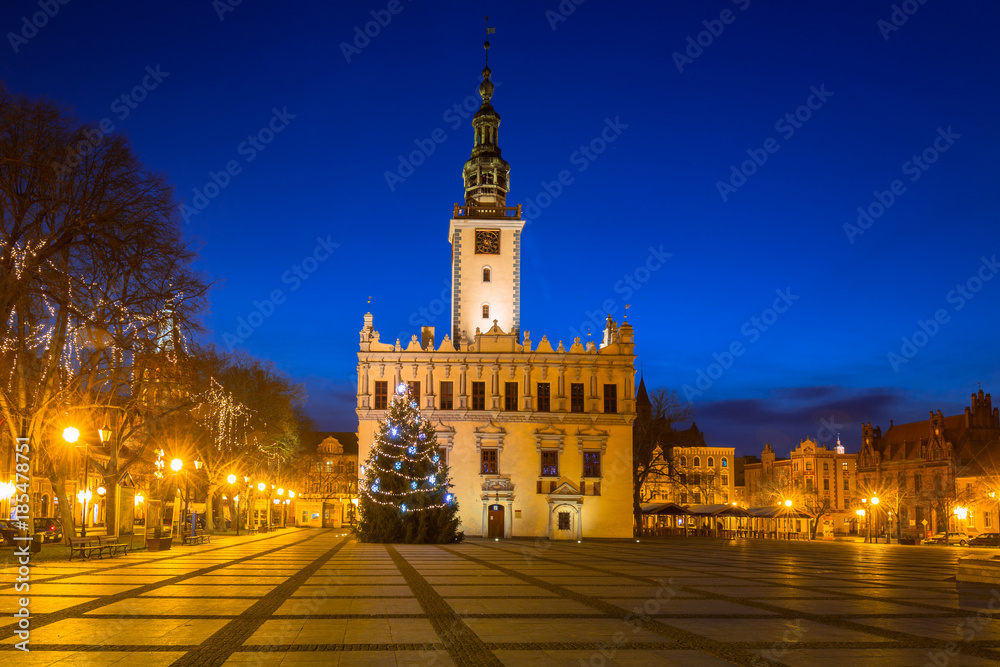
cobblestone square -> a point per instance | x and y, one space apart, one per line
317 597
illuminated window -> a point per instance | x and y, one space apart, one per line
489 462
550 464
724 462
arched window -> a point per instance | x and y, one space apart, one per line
486 274
486 311
684 461
711 462
697 461
724 462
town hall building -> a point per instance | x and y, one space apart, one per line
537 434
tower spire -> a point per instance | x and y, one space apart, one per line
486 174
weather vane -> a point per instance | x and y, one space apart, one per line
627 306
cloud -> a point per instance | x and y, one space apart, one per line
786 416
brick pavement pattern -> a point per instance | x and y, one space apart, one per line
318 597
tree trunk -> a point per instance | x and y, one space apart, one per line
209 506
66 514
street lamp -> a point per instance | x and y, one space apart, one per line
232 480
874 502
71 434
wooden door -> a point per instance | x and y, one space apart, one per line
494 525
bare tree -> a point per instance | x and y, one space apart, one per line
652 429
91 258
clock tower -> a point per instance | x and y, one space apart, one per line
485 234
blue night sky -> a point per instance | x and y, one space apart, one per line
773 235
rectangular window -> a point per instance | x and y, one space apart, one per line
986 519
697 498
611 398
597 489
725 480
847 484
510 396
544 404
381 394
826 485
478 395
447 396
414 388
844 464
809 486
550 464
489 462
809 465
591 464
563 520
917 483
576 397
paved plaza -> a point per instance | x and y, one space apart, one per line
317 597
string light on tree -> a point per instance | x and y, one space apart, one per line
405 492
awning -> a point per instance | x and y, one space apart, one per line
672 509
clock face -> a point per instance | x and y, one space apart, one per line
487 241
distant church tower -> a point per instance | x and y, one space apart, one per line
485 234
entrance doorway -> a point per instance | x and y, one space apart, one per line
494 522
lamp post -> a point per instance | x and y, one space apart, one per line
788 504
236 519
993 494
105 434
71 434
874 502
176 465
860 513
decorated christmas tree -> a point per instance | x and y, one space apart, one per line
405 492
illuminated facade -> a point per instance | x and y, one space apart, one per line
936 466
537 436
819 481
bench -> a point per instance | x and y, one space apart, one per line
84 546
199 537
113 545
251 531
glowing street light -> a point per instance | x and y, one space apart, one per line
231 479
281 492
176 465
788 503
261 486
71 434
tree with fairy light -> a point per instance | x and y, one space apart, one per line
405 493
